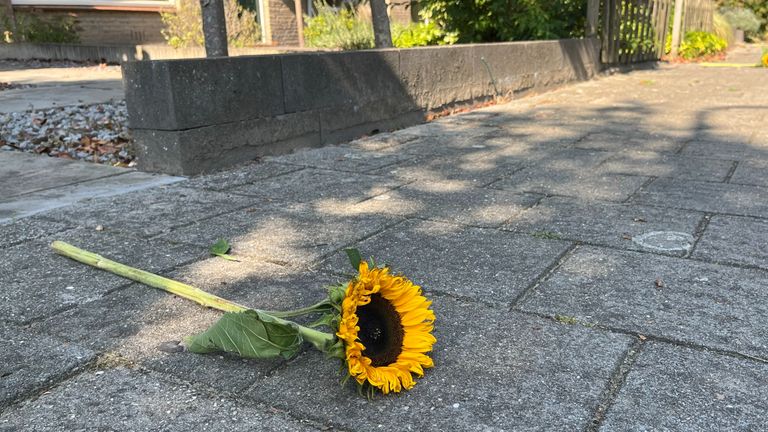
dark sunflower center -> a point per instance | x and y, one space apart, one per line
380 331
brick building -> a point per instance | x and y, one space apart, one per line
134 22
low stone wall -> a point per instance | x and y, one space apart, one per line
199 115
118 53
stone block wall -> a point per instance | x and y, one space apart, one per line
199 115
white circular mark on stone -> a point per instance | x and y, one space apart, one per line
666 241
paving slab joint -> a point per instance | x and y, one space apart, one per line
561 259
645 184
730 173
54 382
509 220
699 233
617 380
680 150
353 244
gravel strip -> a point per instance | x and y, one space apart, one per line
94 133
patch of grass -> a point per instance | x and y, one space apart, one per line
564 319
112 360
549 235
647 82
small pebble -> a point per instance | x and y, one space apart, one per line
171 347
84 132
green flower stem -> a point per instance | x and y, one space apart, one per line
320 340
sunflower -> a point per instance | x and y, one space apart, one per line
386 326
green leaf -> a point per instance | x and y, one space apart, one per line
354 257
221 247
249 334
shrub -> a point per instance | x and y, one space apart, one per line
184 28
742 19
420 34
32 28
759 7
342 28
699 44
723 28
505 20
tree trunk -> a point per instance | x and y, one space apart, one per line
593 12
6 16
299 21
214 28
381 34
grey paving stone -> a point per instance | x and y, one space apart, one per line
485 264
243 175
314 185
727 148
454 202
624 141
297 234
57 197
735 239
601 223
136 321
24 230
675 388
661 165
124 399
478 169
706 304
451 130
494 370
151 212
573 173
440 146
751 172
706 196
29 362
22 173
341 159
37 281
382 141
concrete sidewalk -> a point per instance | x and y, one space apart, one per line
596 256
43 88
32 184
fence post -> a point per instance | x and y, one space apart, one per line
593 10
214 28
677 27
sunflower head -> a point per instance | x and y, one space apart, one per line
386 328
